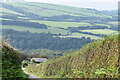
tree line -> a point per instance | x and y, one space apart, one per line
27 41
26 24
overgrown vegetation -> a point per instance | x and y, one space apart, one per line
95 60
11 63
56 27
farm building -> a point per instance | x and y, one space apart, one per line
38 60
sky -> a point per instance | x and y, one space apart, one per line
94 4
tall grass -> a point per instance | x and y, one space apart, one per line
11 63
97 59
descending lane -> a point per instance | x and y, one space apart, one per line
31 76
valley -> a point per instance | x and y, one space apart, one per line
94 60
77 42
60 20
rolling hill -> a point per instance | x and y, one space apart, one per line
52 29
56 22
56 19
95 60
49 10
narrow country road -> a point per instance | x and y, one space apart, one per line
31 76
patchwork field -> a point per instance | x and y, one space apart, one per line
36 30
10 11
44 9
114 23
62 24
101 31
104 25
4 18
80 35
23 18
57 18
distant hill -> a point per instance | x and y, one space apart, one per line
49 10
57 19
112 12
11 63
63 22
95 60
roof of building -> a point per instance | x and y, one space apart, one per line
39 59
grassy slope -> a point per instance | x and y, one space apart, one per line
45 9
44 51
11 64
56 30
80 35
114 23
98 59
9 11
104 25
62 24
49 10
36 30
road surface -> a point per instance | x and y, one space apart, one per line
31 76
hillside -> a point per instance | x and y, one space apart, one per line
95 60
43 9
27 41
55 32
11 63
57 19
63 24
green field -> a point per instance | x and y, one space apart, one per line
80 35
52 30
42 12
101 31
1 14
62 24
36 30
62 31
114 23
10 11
23 18
48 10
88 62
103 25
4 19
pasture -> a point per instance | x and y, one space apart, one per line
80 35
100 31
36 30
62 24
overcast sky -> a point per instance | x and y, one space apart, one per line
95 4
